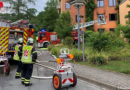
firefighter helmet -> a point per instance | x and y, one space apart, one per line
30 40
20 40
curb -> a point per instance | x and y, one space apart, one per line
94 81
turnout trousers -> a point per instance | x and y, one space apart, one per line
26 73
19 69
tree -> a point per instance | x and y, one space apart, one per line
63 25
47 18
38 21
19 7
90 6
128 16
50 15
31 13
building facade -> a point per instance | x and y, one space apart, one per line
124 10
106 9
65 6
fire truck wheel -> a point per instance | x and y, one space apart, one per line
57 81
74 80
45 45
6 68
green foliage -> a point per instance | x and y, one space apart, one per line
128 16
47 18
126 31
56 51
103 41
50 47
98 59
30 13
18 8
63 25
78 54
118 30
89 11
68 41
118 15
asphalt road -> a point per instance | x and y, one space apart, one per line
10 83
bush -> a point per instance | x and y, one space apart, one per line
56 51
98 59
78 54
68 41
104 41
50 47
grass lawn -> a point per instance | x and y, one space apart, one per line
122 66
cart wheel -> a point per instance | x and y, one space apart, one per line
6 68
74 80
56 82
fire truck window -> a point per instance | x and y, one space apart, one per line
11 35
42 35
53 37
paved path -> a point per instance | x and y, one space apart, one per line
106 78
10 83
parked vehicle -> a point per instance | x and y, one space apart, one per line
10 33
45 38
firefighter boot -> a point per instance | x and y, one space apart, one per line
27 82
22 80
17 76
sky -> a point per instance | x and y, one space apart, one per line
39 5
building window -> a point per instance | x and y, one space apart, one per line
100 3
112 2
67 6
101 18
101 30
112 29
112 17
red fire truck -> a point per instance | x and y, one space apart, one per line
74 35
45 38
11 32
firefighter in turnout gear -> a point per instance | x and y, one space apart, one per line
29 56
17 57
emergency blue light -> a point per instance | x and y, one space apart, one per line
42 30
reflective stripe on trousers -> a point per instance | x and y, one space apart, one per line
18 74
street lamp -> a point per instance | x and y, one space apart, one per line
78 4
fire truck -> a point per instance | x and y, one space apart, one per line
11 32
45 38
74 35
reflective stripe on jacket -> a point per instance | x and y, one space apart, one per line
16 56
27 54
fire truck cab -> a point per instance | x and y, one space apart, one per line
45 38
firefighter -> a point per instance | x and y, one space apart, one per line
17 57
29 56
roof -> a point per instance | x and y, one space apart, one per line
122 1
